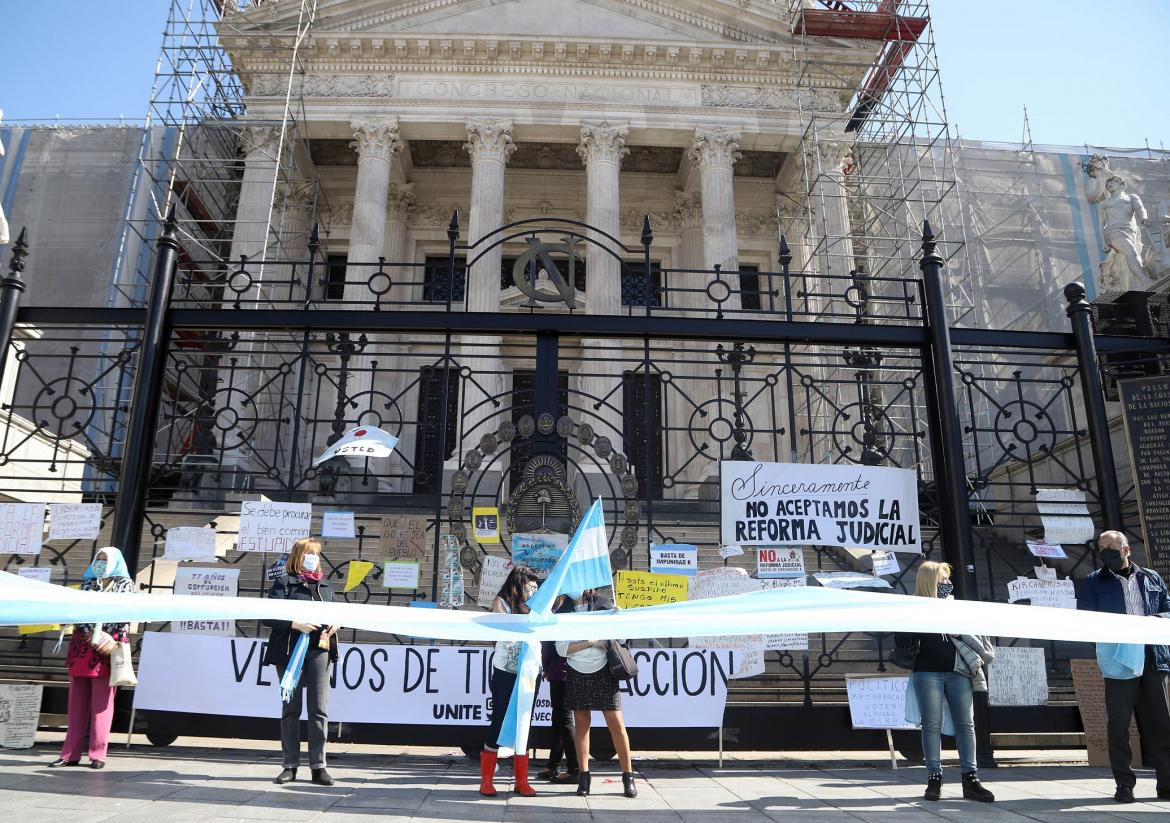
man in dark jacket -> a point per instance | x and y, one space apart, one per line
1123 587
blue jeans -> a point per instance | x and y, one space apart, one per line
936 691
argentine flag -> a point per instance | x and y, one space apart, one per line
584 565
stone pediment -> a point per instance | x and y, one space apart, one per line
679 21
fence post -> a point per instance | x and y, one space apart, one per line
950 471
11 285
144 404
1080 314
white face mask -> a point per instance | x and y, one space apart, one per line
310 562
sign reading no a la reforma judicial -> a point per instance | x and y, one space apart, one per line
865 507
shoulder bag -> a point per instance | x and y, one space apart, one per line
621 663
904 654
122 666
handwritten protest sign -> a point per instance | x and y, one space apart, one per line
850 580
539 552
266 526
1065 516
877 702
730 551
404 537
1055 594
491 577
785 641
1042 549
41 573
189 543
1017 677
337 524
779 561
674 558
20 712
200 582
400 574
721 582
871 507
75 521
633 589
885 563
22 525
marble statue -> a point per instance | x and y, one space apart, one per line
1121 213
3 222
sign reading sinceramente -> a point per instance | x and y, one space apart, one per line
871 507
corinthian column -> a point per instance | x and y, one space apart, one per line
832 239
715 151
257 189
396 370
377 142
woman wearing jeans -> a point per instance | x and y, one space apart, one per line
947 670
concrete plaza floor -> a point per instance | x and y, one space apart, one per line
206 780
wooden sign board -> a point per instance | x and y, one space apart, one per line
1090 690
403 537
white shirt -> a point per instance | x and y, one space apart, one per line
1134 602
585 661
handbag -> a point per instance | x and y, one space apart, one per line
122 666
903 655
621 663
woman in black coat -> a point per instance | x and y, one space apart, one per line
303 580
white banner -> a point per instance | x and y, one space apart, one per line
869 507
418 685
213 582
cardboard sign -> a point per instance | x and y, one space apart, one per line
1017 677
20 713
721 582
1055 594
877 702
779 561
400 574
633 589
75 521
767 504
486 524
539 552
220 581
1042 549
337 524
1065 516
22 527
491 578
404 536
189 543
1089 687
1044 573
266 526
674 558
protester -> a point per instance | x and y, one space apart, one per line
948 669
91 697
590 687
1134 674
563 745
303 580
519 586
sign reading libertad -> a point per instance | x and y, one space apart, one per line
795 503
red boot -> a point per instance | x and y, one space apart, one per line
487 769
520 766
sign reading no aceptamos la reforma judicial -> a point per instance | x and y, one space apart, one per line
869 507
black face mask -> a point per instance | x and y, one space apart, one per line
945 589
1112 559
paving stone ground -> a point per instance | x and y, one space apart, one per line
206 780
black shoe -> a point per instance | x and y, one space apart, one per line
1124 794
933 787
287 776
583 784
97 764
566 777
628 787
973 789
548 773
61 761
322 778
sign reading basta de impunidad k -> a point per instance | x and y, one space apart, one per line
869 507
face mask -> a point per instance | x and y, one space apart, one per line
1112 559
310 562
99 568
945 589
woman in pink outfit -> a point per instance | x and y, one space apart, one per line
91 697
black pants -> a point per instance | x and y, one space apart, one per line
1145 697
315 681
562 730
501 686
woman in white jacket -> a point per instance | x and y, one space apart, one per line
590 687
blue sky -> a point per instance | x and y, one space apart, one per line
1089 71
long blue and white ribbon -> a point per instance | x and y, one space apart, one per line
292 673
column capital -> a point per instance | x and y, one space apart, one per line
716 146
297 195
489 140
603 143
376 137
259 139
400 200
833 156
688 205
